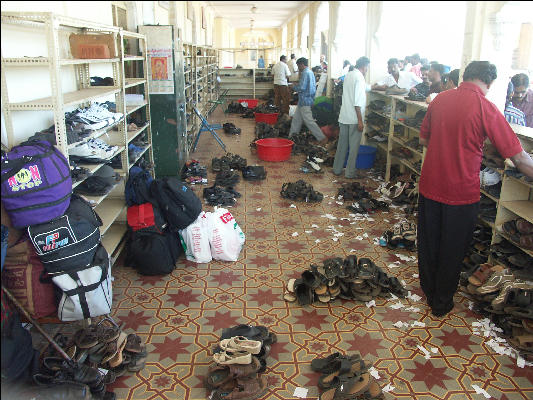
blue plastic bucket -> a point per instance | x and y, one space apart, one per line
365 157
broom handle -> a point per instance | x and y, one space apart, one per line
39 328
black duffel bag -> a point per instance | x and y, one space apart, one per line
70 241
178 203
152 253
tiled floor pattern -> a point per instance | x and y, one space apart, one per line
181 315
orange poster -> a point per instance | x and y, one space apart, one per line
159 69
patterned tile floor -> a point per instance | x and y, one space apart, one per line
181 315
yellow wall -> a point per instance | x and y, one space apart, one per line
270 56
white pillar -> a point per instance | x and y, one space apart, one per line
373 12
333 61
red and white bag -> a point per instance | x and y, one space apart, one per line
195 239
225 235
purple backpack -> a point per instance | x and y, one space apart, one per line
36 183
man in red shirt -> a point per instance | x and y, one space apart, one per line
456 124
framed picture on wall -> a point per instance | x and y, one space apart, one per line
204 21
190 11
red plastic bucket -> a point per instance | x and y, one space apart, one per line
268 118
274 149
252 103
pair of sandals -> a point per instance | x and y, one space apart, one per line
109 347
237 350
346 377
219 196
368 206
230 128
352 191
302 191
392 190
521 232
227 178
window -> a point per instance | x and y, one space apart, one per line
119 16
351 33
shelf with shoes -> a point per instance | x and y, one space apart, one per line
516 200
127 52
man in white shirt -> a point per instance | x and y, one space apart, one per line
292 64
351 118
402 79
281 89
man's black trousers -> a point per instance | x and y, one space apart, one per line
444 234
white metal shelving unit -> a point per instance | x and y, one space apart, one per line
56 28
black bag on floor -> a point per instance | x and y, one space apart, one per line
254 173
151 253
178 203
70 241
19 359
137 190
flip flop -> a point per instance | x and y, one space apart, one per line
240 343
332 380
332 363
133 343
121 343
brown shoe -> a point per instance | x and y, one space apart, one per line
219 375
244 389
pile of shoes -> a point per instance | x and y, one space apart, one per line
249 113
236 108
400 192
254 173
302 145
346 377
231 128
396 90
401 236
415 144
302 191
348 279
507 297
99 81
402 152
227 162
240 358
194 173
78 173
283 125
221 196
518 175
352 191
478 252
264 130
520 232
416 121
377 122
266 108
312 165
100 353
368 206
92 151
377 105
227 178
100 183
415 96
509 255
375 136
487 209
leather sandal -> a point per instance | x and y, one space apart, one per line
219 375
350 387
327 381
334 362
240 343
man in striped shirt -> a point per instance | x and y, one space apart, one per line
512 114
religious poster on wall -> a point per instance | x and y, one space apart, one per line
160 71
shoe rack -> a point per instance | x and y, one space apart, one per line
201 88
241 82
398 133
58 63
516 196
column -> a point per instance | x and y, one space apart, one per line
373 12
333 59
314 39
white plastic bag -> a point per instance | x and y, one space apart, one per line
292 110
225 235
195 239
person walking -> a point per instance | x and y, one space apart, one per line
281 89
306 89
351 118
454 129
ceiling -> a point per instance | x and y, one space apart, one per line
269 14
